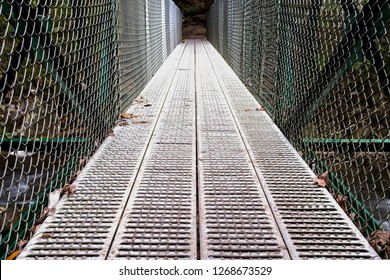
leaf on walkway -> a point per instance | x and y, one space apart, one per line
380 241
21 244
48 212
35 228
83 161
123 123
147 105
130 116
343 201
140 122
46 235
322 180
248 110
69 190
110 132
260 108
14 255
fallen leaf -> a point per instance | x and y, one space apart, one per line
322 179
110 132
386 254
147 105
21 244
343 201
48 212
83 161
140 122
324 176
68 189
352 216
130 116
35 228
260 108
380 241
13 255
74 176
320 182
46 235
123 123
248 110
139 100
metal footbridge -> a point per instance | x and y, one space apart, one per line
197 169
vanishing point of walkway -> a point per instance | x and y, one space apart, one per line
202 173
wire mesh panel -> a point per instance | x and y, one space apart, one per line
59 93
145 34
321 70
58 70
132 49
154 37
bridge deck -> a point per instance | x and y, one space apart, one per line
203 173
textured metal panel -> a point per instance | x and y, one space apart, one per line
160 218
235 220
84 224
312 224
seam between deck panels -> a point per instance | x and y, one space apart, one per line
197 163
297 250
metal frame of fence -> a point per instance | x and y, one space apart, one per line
321 71
67 69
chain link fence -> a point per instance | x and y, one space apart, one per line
67 69
321 71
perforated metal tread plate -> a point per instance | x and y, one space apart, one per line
84 225
311 222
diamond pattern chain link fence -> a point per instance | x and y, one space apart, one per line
67 70
320 68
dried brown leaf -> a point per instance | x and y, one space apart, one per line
35 228
21 244
343 201
123 123
321 180
83 161
110 132
140 122
352 216
324 176
141 99
130 116
68 190
248 110
13 255
48 212
46 235
380 241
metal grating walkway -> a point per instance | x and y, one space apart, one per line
201 175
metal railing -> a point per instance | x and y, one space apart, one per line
321 71
67 69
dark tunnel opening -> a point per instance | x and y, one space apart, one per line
194 17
